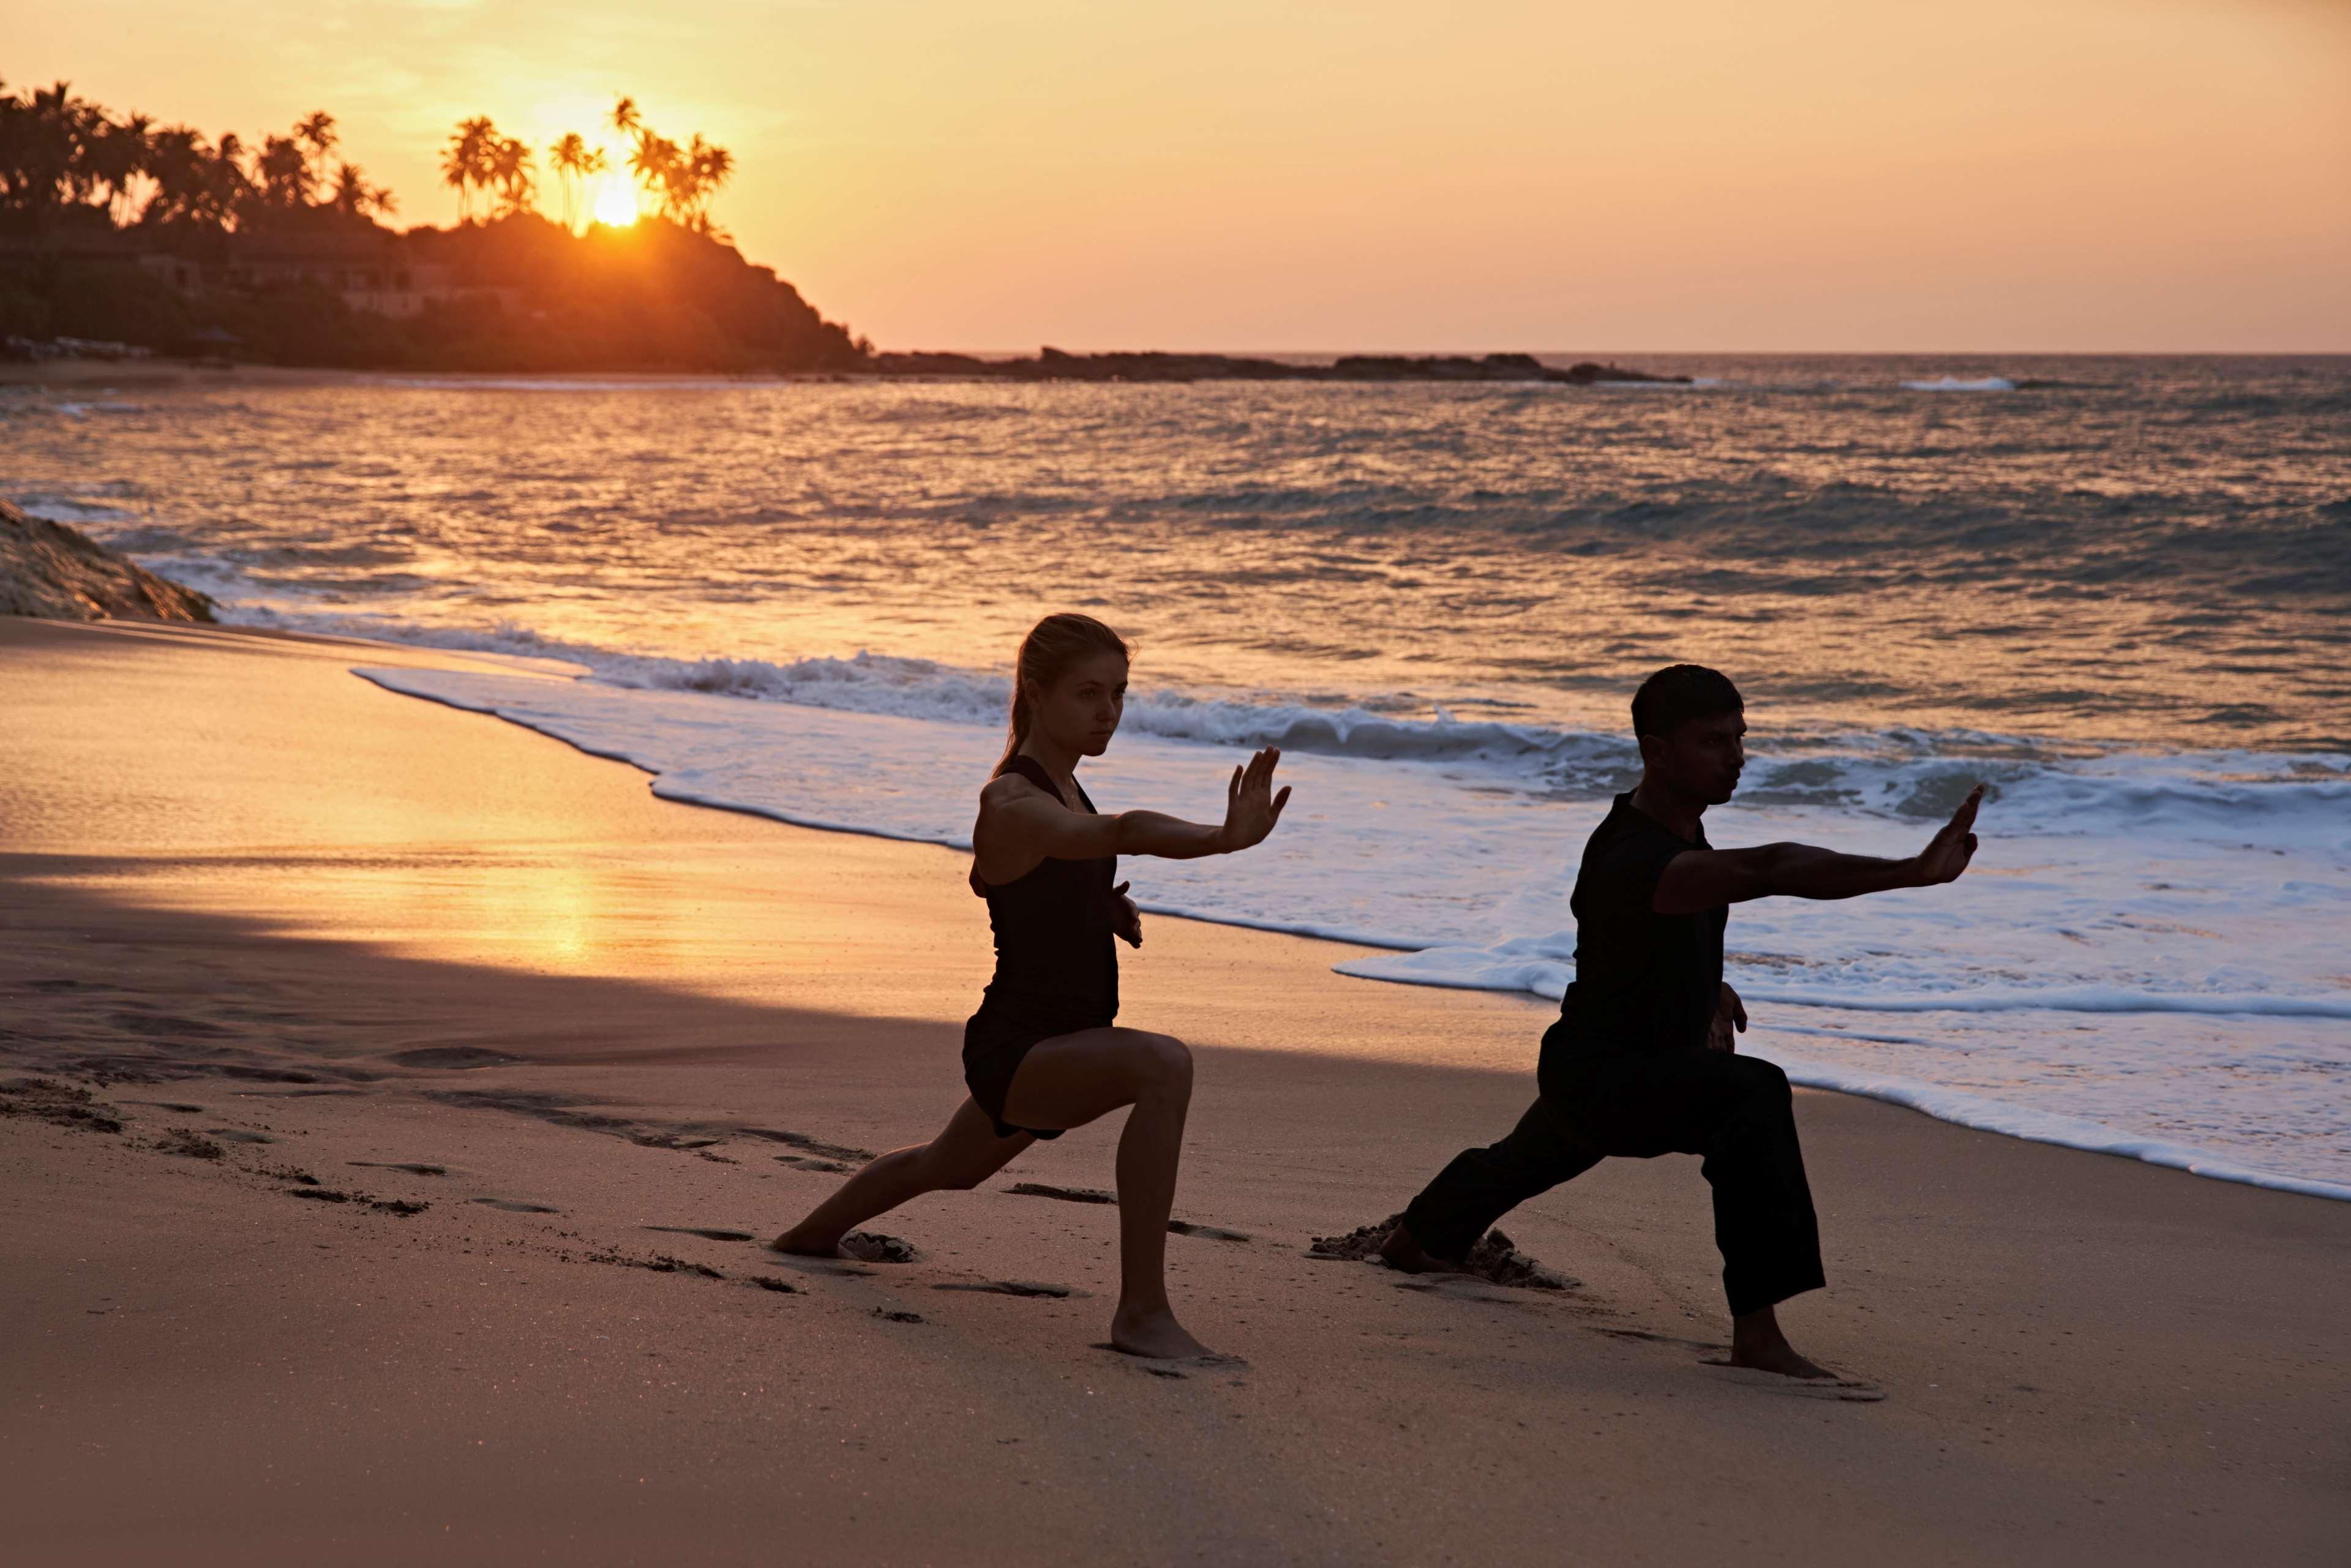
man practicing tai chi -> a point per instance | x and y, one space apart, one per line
1641 1061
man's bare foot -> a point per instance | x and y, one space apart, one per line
1151 1331
1756 1342
1781 1358
1403 1254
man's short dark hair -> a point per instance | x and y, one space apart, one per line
1681 693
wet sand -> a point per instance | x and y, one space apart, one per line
442 1083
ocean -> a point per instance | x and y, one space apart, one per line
2117 590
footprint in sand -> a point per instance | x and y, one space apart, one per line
1177 1366
659 1263
857 1246
239 1135
1460 1288
412 1168
707 1235
461 1057
1096 1194
809 1163
190 1144
1010 1288
398 1206
873 1246
807 1144
1644 1336
1066 1194
1846 1390
1493 1260
889 1316
514 1206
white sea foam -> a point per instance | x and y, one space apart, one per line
2045 1127
2147 946
1958 383
75 513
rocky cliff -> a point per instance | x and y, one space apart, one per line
53 571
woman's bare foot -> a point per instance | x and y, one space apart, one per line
857 1245
800 1246
1151 1331
1756 1342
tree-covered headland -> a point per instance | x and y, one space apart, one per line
280 252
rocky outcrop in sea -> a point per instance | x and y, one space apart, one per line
1055 365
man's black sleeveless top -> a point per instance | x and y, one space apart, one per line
1056 957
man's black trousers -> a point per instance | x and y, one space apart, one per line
1736 1110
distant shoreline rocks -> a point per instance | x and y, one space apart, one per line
53 572
1049 364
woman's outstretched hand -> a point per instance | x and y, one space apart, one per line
1948 854
1252 805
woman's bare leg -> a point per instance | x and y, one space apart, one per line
1068 1081
963 1155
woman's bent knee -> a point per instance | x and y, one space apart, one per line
1166 1064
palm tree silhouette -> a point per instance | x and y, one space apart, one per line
655 162
176 159
511 166
352 194
710 166
465 163
284 171
574 160
316 132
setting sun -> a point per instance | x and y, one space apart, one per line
616 201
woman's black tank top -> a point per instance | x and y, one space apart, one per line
1056 953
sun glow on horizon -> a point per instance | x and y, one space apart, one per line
1712 175
616 201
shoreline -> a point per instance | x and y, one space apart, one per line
1955 1106
567 1052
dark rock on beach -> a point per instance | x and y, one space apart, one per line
58 573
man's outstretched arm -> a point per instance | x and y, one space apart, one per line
1703 879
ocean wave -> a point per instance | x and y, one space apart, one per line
2039 1126
1543 967
1958 383
1902 773
72 511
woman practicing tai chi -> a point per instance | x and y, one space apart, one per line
1041 1054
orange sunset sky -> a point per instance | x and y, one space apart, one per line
1671 175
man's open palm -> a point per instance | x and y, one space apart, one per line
1948 854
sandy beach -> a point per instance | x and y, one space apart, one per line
441 1084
